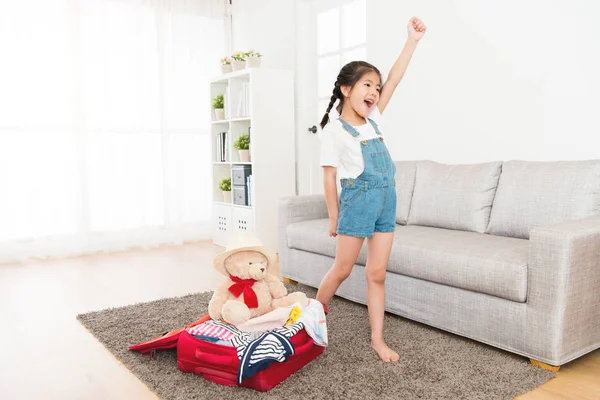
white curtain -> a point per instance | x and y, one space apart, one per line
104 117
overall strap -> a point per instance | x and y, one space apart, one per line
350 129
374 126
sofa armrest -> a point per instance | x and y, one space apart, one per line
291 210
564 285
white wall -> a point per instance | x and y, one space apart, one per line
267 26
492 80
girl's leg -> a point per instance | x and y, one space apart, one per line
379 247
346 253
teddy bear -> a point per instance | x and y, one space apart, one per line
250 290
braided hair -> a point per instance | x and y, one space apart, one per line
348 76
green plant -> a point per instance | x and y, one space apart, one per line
218 101
239 56
225 184
226 60
253 53
242 142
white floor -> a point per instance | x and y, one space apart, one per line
46 354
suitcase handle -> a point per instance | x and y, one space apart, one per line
304 347
215 358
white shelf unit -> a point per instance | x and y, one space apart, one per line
270 119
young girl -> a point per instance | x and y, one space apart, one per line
353 151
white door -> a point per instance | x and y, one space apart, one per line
329 34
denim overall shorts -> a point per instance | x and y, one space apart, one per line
368 203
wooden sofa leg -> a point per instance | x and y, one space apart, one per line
290 281
543 365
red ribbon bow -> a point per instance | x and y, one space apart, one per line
244 286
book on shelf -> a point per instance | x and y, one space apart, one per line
225 100
243 107
221 147
249 190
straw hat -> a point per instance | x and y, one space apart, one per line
243 242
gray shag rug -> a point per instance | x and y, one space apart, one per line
433 364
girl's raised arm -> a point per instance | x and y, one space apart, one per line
416 30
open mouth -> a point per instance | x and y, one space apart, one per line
369 103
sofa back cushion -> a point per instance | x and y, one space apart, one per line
538 193
405 184
454 196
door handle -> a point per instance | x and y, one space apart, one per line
313 129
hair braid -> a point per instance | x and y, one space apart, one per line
334 97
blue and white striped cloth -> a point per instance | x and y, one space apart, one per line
257 353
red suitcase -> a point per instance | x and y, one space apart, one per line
219 363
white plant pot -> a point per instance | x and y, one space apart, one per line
244 155
219 113
226 68
227 197
253 62
238 65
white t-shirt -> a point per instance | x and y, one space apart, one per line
341 150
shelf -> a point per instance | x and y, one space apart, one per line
250 109
226 121
223 79
221 203
231 163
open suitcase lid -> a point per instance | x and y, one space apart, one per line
167 340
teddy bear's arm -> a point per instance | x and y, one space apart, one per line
219 298
275 286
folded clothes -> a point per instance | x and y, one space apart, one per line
294 314
265 339
214 328
271 320
314 321
256 354
312 317
207 338
259 354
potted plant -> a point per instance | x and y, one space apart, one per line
253 59
218 105
239 60
242 143
226 65
225 186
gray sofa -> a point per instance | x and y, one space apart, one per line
506 253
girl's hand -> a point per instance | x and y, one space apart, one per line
416 29
332 226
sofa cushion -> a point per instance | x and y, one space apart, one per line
493 265
533 194
482 263
405 185
454 196
312 236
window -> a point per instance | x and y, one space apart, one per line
341 38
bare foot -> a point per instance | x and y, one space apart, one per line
383 351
